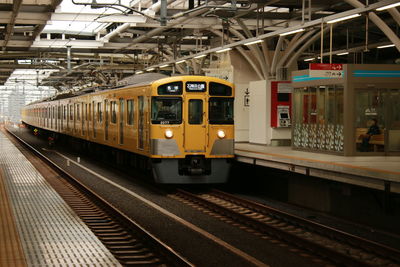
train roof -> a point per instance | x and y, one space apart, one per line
137 80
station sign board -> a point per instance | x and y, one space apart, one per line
326 70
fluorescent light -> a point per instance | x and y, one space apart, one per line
388 6
200 56
139 72
385 46
309 59
291 32
164 66
344 18
150 69
180 61
342 54
223 50
254 42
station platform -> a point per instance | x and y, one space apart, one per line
37 228
377 172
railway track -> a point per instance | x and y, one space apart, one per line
129 242
326 243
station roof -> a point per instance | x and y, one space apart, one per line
67 43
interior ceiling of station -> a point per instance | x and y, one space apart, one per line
110 39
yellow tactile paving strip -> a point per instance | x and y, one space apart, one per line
11 251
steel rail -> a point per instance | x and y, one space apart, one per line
310 225
130 243
324 252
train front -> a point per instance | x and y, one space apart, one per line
192 130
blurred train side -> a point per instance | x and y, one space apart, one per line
121 118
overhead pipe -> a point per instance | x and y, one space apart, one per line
276 54
244 54
257 52
395 14
161 29
68 58
294 43
380 23
304 47
265 65
153 8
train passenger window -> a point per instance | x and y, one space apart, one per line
195 111
71 113
99 113
166 110
78 112
65 113
220 89
220 110
129 111
174 88
113 111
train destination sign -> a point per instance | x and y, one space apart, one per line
326 70
195 87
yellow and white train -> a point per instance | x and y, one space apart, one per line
182 125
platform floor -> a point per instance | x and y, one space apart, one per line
377 172
37 227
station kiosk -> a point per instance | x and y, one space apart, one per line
334 107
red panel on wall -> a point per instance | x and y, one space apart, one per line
281 97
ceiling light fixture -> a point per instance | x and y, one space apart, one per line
164 66
223 50
139 72
180 61
150 69
309 59
291 32
343 18
254 42
200 56
388 6
385 46
342 54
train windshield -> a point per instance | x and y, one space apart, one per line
166 110
220 110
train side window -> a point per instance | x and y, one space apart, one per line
71 113
130 111
65 113
220 89
220 110
99 112
113 111
78 112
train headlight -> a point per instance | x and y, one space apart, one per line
221 134
168 134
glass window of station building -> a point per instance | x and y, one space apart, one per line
356 114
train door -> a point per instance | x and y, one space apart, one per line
121 121
195 138
141 123
106 122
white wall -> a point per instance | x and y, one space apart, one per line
243 74
258 112
241 114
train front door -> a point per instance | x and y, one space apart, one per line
195 138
